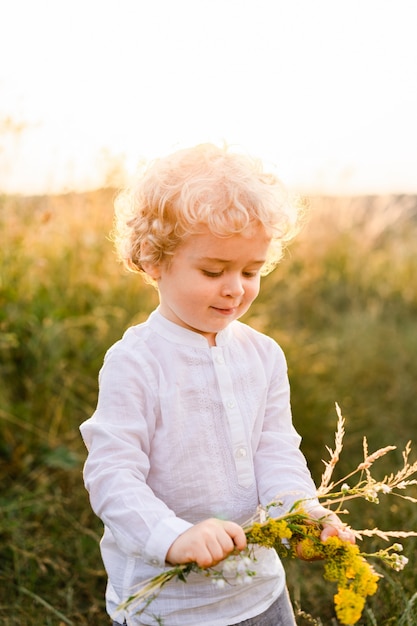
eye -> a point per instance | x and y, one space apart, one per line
211 274
252 274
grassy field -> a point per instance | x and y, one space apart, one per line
343 305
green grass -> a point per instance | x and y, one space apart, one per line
343 305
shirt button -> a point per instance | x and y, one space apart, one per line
219 360
241 452
154 562
230 404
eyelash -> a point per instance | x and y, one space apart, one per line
218 274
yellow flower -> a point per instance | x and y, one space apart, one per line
366 579
309 549
331 571
283 529
270 534
349 606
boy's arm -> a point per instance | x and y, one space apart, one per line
280 465
281 468
118 438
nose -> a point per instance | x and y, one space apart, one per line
233 286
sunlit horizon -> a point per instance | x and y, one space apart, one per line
325 91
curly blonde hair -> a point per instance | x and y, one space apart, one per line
196 188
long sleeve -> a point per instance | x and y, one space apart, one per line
281 468
118 437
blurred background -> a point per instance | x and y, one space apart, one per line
326 93
325 90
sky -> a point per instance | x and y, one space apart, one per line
323 90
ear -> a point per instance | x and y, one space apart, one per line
152 269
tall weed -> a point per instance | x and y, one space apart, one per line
342 304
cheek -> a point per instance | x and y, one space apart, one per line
196 292
252 290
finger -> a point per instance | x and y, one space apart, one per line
204 557
328 531
346 534
337 530
237 535
220 547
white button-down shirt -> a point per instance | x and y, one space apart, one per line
183 432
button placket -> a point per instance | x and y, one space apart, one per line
243 460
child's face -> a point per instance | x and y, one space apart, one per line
212 281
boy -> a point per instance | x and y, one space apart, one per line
193 425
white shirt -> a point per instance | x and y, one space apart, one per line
183 432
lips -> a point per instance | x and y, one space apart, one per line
229 311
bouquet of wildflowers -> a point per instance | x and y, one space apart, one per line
297 534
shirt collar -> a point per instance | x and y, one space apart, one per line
178 334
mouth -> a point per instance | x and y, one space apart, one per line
226 312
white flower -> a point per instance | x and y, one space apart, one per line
247 579
237 569
383 487
399 562
230 567
244 565
345 488
371 495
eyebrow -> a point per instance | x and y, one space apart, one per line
210 259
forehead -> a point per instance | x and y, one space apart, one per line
251 245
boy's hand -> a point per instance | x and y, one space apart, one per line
207 543
332 526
